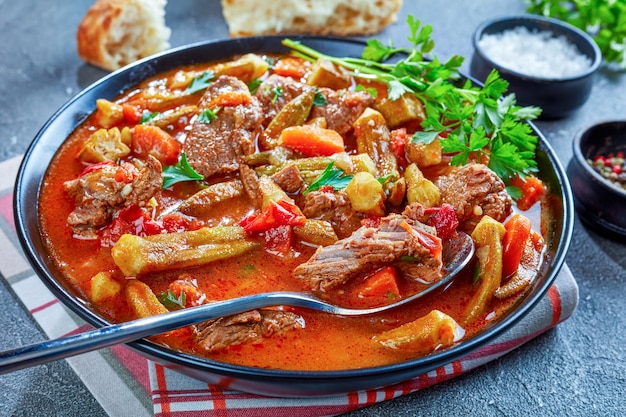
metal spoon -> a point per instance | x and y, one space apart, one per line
457 253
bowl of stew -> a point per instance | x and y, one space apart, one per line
220 169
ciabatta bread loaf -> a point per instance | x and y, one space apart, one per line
319 17
115 33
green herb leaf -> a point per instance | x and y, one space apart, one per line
277 92
253 86
180 172
424 137
332 177
208 115
171 302
371 90
148 117
200 82
319 100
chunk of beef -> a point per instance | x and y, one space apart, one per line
219 146
474 190
248 327
250 183
100 193
342 110
289 178
333 207
276 91
368 249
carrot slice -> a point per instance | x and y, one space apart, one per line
152 140
532 190
383 283
515 238
291 67
312 140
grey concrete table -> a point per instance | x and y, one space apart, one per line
577 369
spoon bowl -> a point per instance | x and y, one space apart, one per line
457 253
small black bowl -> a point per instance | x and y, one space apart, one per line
558 97
600 204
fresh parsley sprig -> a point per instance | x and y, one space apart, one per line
331 177
604 20
171 302
454 113
180 172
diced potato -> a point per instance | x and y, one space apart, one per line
316 232
135 255
366 194
143 300
434 331
404 110
424 155
420 189
108 113
326 74
104 286
106 145
363 163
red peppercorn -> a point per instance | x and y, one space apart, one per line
617 169
620 154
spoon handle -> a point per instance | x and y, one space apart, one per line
52 350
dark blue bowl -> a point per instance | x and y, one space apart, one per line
262 381
600 204
557 97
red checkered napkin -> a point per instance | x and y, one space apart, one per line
176 395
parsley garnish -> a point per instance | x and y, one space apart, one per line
200 82
370 90
253 86
180 172
471 120
148 117
208 115
171 302
332 177
319 100
277 92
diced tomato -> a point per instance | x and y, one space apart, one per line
443 219
279 239
518 230
152 140
126 173
132 113
178 222
291 67
383 283
399 139
130 220
532 190
193 295
280 213
95 167
430 242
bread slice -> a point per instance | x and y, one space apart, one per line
115 33
318 17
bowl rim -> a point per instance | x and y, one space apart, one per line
173 358
521 19
582 160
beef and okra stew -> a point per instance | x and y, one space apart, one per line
288 172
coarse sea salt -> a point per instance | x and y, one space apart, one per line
535 53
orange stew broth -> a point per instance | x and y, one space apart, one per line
326 343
